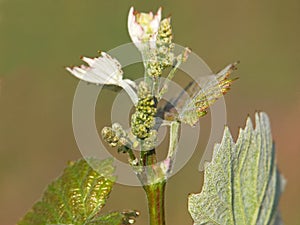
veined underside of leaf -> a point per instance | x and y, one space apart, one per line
241 184
77 197
194 101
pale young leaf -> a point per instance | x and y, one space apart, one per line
241 184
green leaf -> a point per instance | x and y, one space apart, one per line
212 88
77 196
116 218
241 184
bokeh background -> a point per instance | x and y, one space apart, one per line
39 37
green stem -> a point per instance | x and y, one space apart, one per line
174 134
155 86
155 191
168 79
148 157
147 78
156 202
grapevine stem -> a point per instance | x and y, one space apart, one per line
154 184
156 202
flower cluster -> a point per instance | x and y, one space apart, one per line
142 121
115 135
153 36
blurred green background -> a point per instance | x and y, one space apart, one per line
39 37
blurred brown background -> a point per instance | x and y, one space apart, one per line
39 38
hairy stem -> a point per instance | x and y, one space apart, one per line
156 202
154 184
168 80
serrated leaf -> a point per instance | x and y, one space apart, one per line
241 184
77 196
212 88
